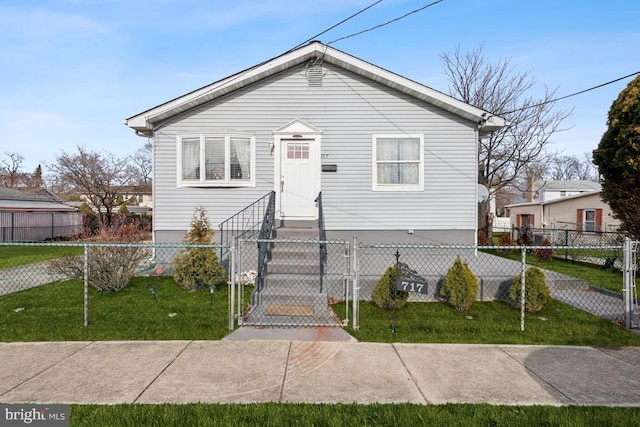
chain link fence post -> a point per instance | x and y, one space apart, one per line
523 249
232 285
86 284
628 281
356 288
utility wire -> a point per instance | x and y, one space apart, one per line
386 23
336 25
570 95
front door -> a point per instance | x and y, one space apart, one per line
298 179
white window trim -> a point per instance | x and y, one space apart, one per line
584 221
396 187
203 182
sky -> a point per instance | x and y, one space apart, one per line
72 70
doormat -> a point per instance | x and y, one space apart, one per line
289 310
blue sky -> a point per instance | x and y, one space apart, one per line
72 70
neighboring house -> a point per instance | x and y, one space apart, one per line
35 217
395 160
550 190
585 212
139 199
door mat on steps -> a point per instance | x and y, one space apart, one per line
289 310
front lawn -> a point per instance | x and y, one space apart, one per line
488 323
55 312
14 256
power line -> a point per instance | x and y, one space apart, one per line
570 95
336 25
386 23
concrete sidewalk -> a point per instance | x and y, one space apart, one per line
275 370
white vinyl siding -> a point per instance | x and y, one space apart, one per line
398 162
227 160
348 109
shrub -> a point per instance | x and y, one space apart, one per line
460 286
198 268
385 294
536 290
483 240
544 254
110 267
505 240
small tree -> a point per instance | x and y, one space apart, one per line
385 294
505 241
618 158
460 286
110 267
198 268
544 254
536 292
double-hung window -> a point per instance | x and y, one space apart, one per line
216 160
398 162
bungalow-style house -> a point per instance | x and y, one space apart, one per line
35 217
394 160
576 205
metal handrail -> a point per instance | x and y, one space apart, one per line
244 224
266 232
322 236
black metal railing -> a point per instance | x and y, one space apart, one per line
245 224
322 237
266 232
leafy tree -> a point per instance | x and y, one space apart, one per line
506 154
618 158
97 176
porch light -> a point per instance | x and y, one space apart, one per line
271 145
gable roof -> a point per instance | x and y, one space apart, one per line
554 201
144 122
570 186
13 200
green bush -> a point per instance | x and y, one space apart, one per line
385 291
544 254
536 290
198 268
460 286
505 240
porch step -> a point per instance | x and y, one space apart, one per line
297 233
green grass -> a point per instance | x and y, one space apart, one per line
488 323
14 256
270 414
55 312
595 275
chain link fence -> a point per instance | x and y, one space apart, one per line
602 248
281 282
298 283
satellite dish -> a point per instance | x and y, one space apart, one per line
483 193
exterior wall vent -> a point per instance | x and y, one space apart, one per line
315 74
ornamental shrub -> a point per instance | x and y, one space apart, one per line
505 240
460 286
536 292
198 268
385 294
110 266
544 254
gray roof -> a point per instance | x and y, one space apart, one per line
11 199
570 185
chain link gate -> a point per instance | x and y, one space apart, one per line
292 282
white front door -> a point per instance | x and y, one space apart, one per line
298 178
